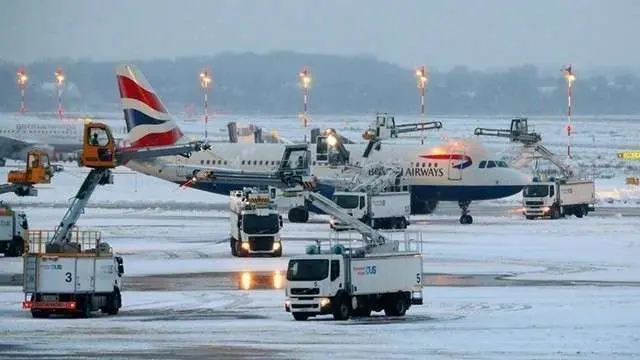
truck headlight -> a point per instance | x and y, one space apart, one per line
287 305
324 302
245 245
546 209
276 245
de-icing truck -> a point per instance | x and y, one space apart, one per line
254 222
557 198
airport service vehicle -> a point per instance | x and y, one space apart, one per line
13 224
255 223
13 231
345 282
38 171
73 272
558 197
384 210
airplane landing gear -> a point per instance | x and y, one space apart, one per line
465 218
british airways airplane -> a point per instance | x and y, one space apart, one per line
456 170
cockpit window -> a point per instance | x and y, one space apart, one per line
483 164
491 164
502 164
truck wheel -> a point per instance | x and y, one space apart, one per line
85 307
555 213
15 247
579 212
342 309
300 316
234 250
114 303
396 306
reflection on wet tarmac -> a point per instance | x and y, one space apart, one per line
276 280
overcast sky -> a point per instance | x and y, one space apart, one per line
439 33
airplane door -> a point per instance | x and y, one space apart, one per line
454 173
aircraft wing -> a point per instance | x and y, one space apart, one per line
9 146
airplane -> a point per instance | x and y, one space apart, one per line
457 170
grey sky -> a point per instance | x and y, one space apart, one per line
439 33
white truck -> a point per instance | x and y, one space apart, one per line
374 277
384 210
345 284
76 283
254 222
13 229
558 197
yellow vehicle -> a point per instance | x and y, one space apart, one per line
38 171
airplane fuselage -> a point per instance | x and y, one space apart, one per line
432 174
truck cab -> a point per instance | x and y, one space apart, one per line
317 280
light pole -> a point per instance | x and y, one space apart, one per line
205 80
570 77
305 81
421 78
59 77
21 79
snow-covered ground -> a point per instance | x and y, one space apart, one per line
569 290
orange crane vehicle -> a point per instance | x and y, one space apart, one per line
38 171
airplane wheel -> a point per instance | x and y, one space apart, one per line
466 219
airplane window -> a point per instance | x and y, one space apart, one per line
429 164
201 162
314 163
482 164
502 164
219 162
435 164
260 162
278 162
273 162
242 162
225 162
491 164
208 162
255 162
423 164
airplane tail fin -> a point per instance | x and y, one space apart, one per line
148 122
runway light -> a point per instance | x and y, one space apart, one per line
245 280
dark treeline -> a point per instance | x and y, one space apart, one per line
268 84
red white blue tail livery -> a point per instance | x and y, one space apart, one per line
148 122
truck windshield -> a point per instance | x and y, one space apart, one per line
536 191
308 270
255 224
346 201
